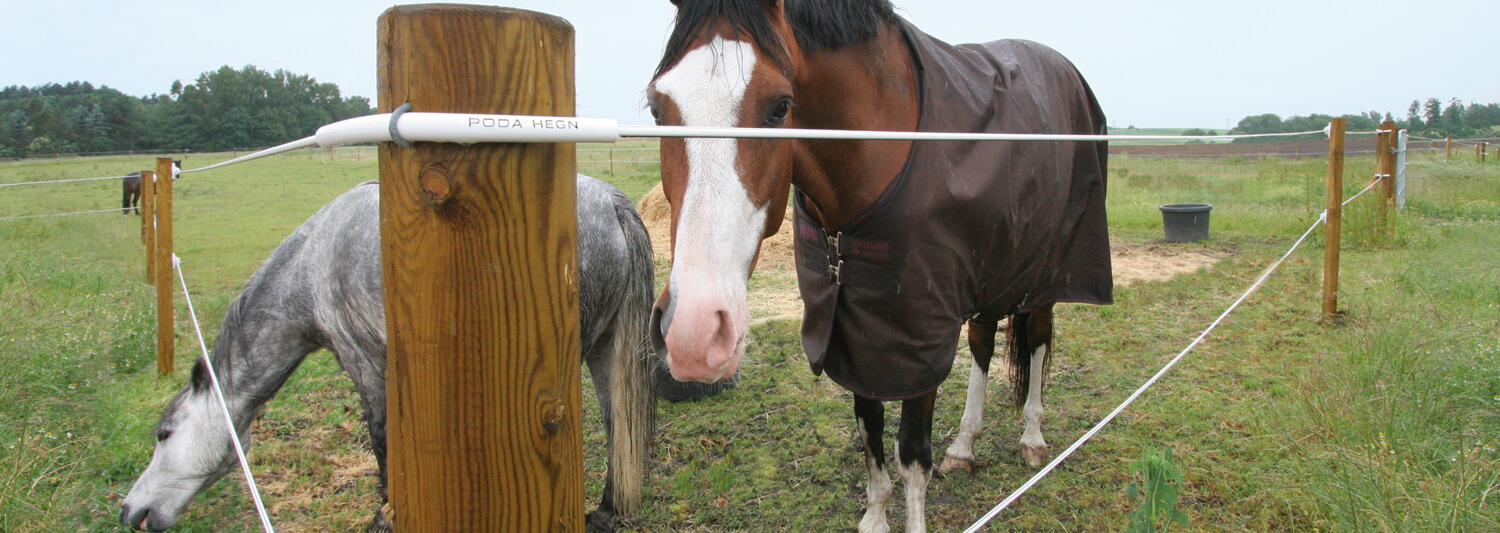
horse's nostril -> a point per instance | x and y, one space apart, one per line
658 331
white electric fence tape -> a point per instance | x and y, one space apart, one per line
63 181
464 128
213 376
118 209
1112 414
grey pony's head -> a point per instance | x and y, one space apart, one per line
193 450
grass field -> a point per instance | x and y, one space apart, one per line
1389 422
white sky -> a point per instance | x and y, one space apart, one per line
1175 63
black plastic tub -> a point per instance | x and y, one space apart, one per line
1185 222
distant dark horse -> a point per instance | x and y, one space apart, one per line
898 243
131 197
321 288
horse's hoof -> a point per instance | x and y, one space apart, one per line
951 463
1036 456
601 521
384 521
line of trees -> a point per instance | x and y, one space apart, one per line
221 110
1426 119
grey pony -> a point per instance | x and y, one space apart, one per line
321 288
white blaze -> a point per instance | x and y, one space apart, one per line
718 227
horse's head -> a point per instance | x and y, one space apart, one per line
193 450
726 64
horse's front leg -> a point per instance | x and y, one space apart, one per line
871 417
960 455
914 457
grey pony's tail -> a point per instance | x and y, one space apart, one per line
632 368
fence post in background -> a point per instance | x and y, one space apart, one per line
1335 185
479 243
165 347
1382 171
1403 138
148 222
1449 157
611 160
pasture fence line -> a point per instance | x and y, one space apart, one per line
1142 389
454 264
71 180
213 377
114 210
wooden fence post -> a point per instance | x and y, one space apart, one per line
480 268
1335 185
165 347
148 222
1449 157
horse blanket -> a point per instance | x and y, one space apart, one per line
967 229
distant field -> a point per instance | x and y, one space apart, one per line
1159 131
1388 423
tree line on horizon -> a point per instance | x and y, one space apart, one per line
1425 119
223 109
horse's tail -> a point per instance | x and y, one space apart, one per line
632 365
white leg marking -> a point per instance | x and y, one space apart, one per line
877 491
1032 437
973 420
915 478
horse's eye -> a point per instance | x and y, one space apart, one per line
778 115
656 114
163 434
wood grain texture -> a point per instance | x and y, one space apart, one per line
165 311
1335 186
480 265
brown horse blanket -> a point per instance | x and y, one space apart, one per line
968 229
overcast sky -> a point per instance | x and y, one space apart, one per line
1152 64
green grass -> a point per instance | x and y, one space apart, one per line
1388 422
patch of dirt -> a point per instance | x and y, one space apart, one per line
1133 262
1137 262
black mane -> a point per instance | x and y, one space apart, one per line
818 24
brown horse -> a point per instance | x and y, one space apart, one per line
898 243
131 197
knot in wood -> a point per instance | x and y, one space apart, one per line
435 184
554 412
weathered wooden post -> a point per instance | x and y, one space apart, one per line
1387 186
1335 185
165 346
1449 157
148 222
480 267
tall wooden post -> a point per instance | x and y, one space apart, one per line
1335 185
165 347
480 267
1449 157
1388 184
1480 151
148 222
